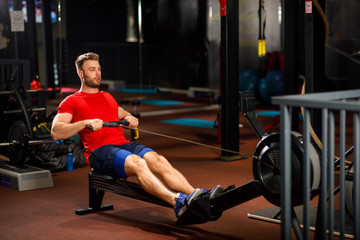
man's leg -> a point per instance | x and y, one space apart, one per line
172 177
136 166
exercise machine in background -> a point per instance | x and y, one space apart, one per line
17 114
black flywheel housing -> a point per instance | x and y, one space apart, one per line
266 168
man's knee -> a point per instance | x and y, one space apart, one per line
134 164
157 163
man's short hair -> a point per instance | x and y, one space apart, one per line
84 57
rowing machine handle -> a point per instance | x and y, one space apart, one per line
116 124
113 124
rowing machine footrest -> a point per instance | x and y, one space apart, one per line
197 212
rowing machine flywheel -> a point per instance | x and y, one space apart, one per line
18 138
266 168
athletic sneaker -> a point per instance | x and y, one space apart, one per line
183 201
215 191
180 200
205 191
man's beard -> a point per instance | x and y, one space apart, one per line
88 82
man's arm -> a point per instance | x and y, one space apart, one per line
122 114
61 127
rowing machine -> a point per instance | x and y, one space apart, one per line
266 170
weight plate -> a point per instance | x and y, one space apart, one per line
18 143
266 168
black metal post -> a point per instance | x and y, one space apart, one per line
229 79
291 53
319 83
309 47
48 48
314 76
30 29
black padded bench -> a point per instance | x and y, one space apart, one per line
99 184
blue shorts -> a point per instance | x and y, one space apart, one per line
110 159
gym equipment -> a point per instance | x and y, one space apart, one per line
25 178
268 214
99 183
17 103
249 81
272 85
266 168
191 122
134 131
198 211
262 39
262 24
15 174
18 143
266 159
20 135
335 108
266 162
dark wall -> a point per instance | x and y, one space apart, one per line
342 59
21 37
96 20
173 50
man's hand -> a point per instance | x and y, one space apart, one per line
134 122
96 124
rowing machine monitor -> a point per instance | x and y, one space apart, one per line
247 101
247 106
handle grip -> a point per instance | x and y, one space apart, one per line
113 124
116 124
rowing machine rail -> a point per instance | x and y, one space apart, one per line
200 210
99 183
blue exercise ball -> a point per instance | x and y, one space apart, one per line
249 81
272 85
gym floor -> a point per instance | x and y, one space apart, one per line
49 213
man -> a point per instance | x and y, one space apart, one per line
107 149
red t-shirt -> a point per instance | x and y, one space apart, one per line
99 105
